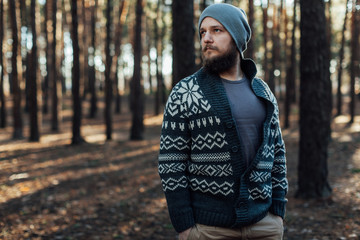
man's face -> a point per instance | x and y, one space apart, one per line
219 51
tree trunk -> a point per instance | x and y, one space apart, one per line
53 79
329 39
85 51
250 47
265 40
76 139
163 95
45 85
33 80
137 91
64 25
341 59
123 9
291 72
203 5
108 80
315 113
92 75
183 39
2 68
354 56
16 66
159 60
25 58
275 47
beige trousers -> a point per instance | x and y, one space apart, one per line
269 228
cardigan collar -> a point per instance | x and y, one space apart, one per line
248 67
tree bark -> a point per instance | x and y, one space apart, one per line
204 4
137 91
183 39
355 32
2 68
341 59
16 67
92 76
76 138
123 9
250 47
45 85
291 73
53 79
108 80
33 79
159 60
315 113
275 48
24 53
265 40
84 52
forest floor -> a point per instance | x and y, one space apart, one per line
111 189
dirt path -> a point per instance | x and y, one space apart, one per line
111 190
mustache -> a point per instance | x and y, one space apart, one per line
209 47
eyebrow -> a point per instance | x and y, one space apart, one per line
213 26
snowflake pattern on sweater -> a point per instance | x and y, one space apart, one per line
200 158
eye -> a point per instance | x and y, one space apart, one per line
202 33
217 30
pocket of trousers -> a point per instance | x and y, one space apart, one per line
277 219
192 234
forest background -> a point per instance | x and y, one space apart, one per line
83 85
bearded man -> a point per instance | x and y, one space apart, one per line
222 157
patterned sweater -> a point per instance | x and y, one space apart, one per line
203 175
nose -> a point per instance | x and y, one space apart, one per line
207 37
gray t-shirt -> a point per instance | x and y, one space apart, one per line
249 113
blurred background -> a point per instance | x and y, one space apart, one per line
83 84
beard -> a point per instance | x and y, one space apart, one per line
222 63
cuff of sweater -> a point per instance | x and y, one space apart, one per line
183 221
278 208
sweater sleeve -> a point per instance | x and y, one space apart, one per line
279 180
175 144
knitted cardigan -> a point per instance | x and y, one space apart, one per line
203 174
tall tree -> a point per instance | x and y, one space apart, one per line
315 113
251 15
203 5
45 85
123 10
265 7
275 47
53 78
84 50
25 57
2 94
183 39
16 67
92 78
291 72
137 91
341 59
354 63
108 80
33 79
159 25
76 138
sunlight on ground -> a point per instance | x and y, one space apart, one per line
345 135
38 181
154 120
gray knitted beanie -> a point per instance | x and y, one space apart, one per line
233 19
